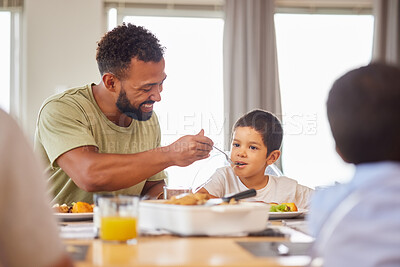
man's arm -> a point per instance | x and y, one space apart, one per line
93 171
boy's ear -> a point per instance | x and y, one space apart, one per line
273 156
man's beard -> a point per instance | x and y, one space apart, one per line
126 107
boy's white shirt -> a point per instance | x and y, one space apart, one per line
279 189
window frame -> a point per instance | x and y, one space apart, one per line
16 101
165 10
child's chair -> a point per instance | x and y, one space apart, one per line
273 170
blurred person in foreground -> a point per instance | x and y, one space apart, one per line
28 231
105 136
358 224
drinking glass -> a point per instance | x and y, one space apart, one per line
119 218
174 191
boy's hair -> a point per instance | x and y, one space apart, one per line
118 46
364 114
266 124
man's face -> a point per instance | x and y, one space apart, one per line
141 89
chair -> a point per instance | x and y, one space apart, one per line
273 170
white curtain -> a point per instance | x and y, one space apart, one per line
387 31
250 60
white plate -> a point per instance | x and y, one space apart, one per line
74 216
287 215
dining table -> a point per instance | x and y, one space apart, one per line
282 243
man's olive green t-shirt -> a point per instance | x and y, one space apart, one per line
73 119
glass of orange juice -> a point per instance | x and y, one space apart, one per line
119 218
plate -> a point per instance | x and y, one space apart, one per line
74 216
287 215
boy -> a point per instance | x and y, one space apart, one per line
257 137
358 224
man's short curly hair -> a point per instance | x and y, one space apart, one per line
118 46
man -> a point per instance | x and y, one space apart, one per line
358 224
28 230
105 137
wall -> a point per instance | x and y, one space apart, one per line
58 50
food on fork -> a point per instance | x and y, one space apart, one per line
78 207
283 207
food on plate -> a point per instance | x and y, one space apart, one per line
61 208
78 207
283 207
292 206
194 199
189 199
81 207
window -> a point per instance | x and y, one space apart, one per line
5 46
313 51
193 92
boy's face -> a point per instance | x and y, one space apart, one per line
248 149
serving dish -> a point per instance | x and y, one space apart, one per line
217 220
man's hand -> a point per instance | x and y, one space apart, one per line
190 148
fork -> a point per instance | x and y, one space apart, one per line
226 155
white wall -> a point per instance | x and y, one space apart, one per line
58 50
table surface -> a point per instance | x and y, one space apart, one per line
169 250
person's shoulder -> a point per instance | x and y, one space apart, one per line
5 118
78 96
73 94
284 181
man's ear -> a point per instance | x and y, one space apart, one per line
273 156
109 81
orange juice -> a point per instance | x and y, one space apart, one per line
118 228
